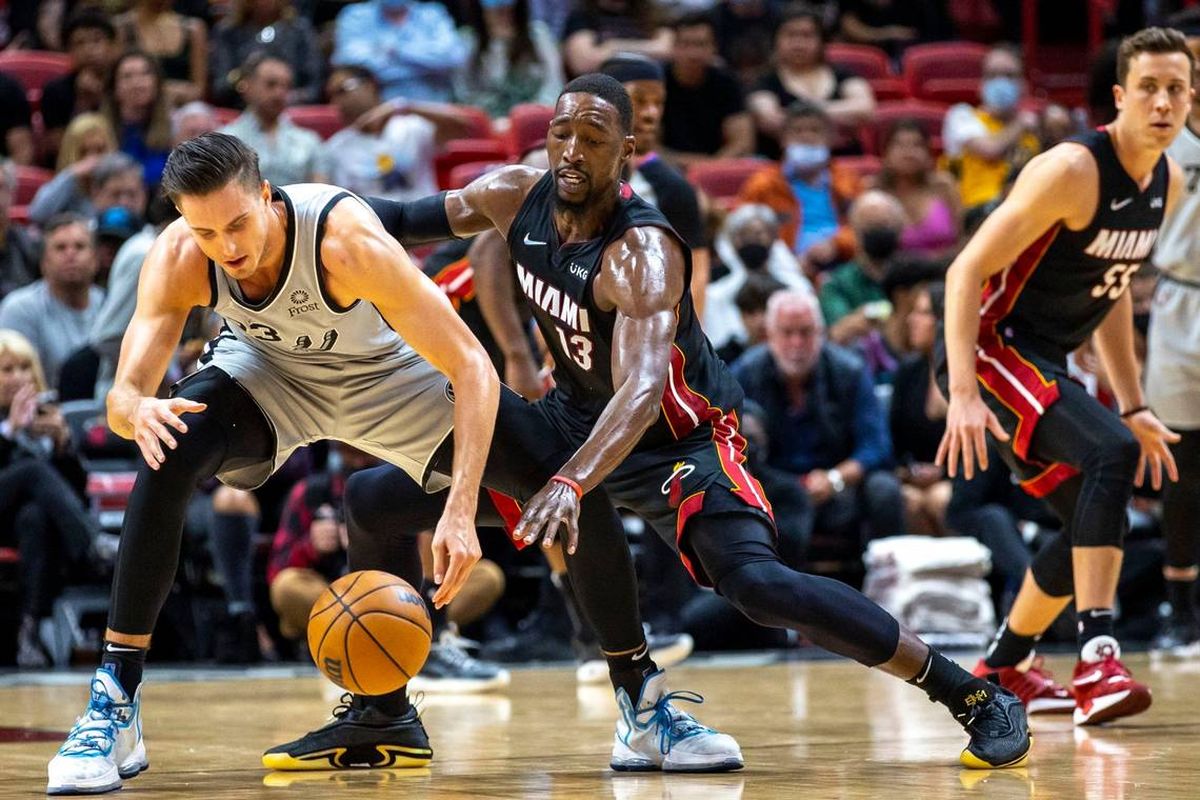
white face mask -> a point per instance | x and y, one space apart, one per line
805 158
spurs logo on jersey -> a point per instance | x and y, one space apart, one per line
1064 284
298 320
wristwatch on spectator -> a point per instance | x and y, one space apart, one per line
836 480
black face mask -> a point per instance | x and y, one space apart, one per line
753 255
880 243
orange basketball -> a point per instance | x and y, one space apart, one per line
369 632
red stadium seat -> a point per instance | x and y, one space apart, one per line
928 115
935 61
226 115
29 180
527 127
462 174
951 90
323 120
869 63
480 123
466 151
33 69
863 60
19 215
723 179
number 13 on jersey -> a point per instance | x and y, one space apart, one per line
578 347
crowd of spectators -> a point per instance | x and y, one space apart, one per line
817 276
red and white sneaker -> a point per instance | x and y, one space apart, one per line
1032 684
1104 689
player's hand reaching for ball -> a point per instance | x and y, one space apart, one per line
1155 440
968 420
152 420
455 551
555 506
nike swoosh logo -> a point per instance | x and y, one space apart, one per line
1118 205
110 648
533 242
1091 677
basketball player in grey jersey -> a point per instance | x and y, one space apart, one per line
1173 388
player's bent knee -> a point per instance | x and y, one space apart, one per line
1052 569
1115 458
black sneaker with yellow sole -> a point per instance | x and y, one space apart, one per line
997 725
359 735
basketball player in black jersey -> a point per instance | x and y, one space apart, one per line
1054 262
648 414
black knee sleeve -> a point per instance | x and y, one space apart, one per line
1052 568
1108 473
385 510
827 612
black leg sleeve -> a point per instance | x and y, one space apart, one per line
1181 503
740 549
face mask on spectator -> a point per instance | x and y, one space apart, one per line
753 255
1001 93
879 242
805 158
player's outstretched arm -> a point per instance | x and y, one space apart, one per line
496 292
642 278
362 262
1058 187
174 279
490 201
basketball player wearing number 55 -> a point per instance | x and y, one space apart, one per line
331 332
1048 269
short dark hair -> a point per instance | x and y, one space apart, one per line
803 108
257 59
65 220
609 90
905 125
798 11
205 164
356 71
1151 40
695 19
909 271
756 291
88 18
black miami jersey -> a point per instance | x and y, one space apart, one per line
1062 286
556 280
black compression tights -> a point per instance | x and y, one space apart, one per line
232 427
1181 503
738 552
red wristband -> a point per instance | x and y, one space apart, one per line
565 481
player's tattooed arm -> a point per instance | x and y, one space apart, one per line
362 262
490 201
1059 187
174 279
642 279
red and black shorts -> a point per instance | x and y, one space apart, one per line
1020 386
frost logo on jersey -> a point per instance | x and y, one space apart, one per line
1122 245
300 304
553 301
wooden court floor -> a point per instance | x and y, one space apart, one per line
811 730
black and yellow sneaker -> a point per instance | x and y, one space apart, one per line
360 735
995 720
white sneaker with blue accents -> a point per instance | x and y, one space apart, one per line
655 735
104 746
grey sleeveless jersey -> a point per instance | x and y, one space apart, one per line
298 323
1177 251
320 371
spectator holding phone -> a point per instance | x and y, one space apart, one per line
49 526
